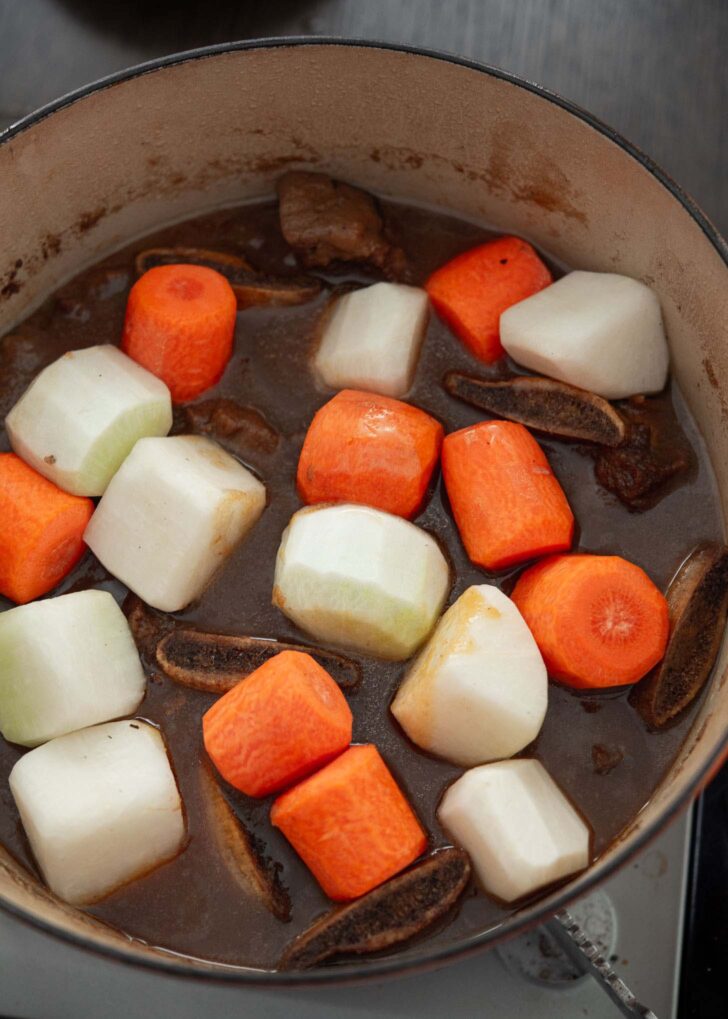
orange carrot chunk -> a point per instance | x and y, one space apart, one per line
473 290
351 824
179 325
278 724
369 449
41 531
599 621
507 503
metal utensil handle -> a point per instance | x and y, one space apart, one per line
584 954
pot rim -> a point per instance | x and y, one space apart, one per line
173 964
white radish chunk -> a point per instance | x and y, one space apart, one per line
371 339
173 513
595 330
100 807
80 418
66 663
519 829
478 690
360 578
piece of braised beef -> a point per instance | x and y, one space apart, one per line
255 874
326 220
395 912
654 452
698 603
216 662
554 408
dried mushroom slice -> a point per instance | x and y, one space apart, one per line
548 406
239 851
698 603
216 662
395 912
251 288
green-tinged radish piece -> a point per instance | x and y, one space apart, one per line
518 828
371 339
255 875
66 663
216 662
596 330
477 691
548 406
360 578
171 516
394 912
697 600
80 418
100 807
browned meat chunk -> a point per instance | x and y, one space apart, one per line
242 430
251 288
698 603
606 759
548 406
216 662
387 916
654 452
325 220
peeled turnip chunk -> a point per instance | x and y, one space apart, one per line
595 330
477 692
100 807
360 578
172 514
372 339
518 827
80 418
66 663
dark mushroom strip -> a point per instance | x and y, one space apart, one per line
216 662
548 406
326 220
238 849
251 288
698 603
395 912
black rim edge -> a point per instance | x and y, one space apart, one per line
394 966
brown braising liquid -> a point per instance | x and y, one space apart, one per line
193 905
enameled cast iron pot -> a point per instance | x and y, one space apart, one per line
187 134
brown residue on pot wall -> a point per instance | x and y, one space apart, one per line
87 220
9 282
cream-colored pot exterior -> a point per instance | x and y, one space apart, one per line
216 127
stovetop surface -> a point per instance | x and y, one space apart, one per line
644 897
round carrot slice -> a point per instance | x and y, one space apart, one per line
179 325
599 621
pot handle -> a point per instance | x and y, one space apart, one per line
587 958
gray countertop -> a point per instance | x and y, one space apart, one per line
655 70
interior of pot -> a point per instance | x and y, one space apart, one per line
217 128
